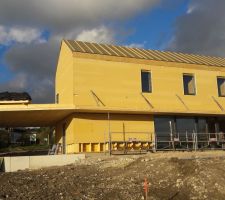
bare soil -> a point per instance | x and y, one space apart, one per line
183 175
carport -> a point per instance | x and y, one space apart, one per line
33 115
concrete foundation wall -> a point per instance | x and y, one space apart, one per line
12 164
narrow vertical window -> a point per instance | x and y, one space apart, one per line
221 86
146 81
189 84
57 98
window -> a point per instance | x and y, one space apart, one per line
221 86
57 98
189 84
185 125
146 81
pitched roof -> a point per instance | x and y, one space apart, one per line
14 96
123 51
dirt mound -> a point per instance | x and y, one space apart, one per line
170 175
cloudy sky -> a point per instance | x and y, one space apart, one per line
31 31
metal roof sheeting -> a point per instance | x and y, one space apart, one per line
123 51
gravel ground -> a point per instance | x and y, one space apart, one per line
182 175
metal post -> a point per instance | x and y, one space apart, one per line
207 131
187 141
155 142
217 129
196 141
124 138
171 135
196 131
104 142
109 134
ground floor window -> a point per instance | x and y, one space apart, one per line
189 130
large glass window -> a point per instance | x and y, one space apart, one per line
164 125
202 125
189 84
146 81
202 132
221 86
185 125
183 131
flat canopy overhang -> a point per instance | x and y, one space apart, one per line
168 111
37 115
33 115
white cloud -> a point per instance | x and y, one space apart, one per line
100 35
191 8
20 35
23 20
61 15
202 29
137 45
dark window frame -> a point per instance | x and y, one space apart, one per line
146 88
218 88
185 85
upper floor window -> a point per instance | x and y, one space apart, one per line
57 98
221 86
146 81
189 84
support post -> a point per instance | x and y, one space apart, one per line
171 135
187 141
110 145
124 138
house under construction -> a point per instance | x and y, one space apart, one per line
114 98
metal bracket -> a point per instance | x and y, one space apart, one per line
147 101
97 99
218 104
181 100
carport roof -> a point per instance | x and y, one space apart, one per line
33 114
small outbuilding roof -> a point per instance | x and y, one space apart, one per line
123 51
14 96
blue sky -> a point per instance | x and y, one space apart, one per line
31 31
154 28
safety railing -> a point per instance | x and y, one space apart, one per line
189 141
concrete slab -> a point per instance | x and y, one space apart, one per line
13 164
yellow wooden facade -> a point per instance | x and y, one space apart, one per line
106 93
